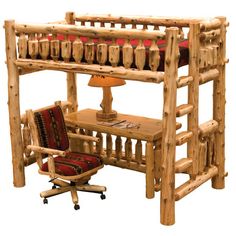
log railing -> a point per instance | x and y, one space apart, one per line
88 44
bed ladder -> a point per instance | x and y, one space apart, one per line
205 142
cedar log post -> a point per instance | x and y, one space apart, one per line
193 94
169 128
218 181
14 106
71 77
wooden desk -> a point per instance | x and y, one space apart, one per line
149 130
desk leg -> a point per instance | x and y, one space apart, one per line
149 170
157 170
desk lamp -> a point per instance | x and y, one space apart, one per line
106 82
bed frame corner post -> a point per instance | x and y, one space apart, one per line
14 106
71 76
218 182
167 204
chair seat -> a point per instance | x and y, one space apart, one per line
74 163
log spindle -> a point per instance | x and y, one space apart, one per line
26 140
99 145
89 51
118 150
108 145
102 52
156 27
90 133
128 149
22 46
202 156
55 48
145 27
123 26
181 32
33 46
44 47
128 52
114 53
138 151
140 55
66 49
77 50
210 151
154 56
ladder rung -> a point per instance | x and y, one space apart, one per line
183 137
208 128
183 109
182 164
184 81
208 76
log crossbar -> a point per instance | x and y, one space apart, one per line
118 72
88 32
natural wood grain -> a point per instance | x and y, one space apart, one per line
149 129
191 185
219 101
150 191
168 128
208 128
14 106
183 109
90 32
117 72
182 165
183 137
193 96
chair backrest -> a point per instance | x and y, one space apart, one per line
51 128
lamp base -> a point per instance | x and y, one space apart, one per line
101 116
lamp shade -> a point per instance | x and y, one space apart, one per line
105 81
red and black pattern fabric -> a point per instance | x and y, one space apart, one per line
183 50
74 163
51 128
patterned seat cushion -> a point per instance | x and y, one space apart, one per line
74 163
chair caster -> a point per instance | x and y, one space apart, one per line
45 201
54 186
103 196
76 207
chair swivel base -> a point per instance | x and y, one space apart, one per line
73 188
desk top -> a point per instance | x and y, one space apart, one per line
148 129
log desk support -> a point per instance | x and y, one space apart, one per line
149 131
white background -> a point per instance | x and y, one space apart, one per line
126 211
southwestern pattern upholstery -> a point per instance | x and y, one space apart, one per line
51 128
74 163
52 134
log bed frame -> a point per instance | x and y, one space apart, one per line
207 47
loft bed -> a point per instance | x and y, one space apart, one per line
144 49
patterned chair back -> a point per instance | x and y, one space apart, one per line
51 128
